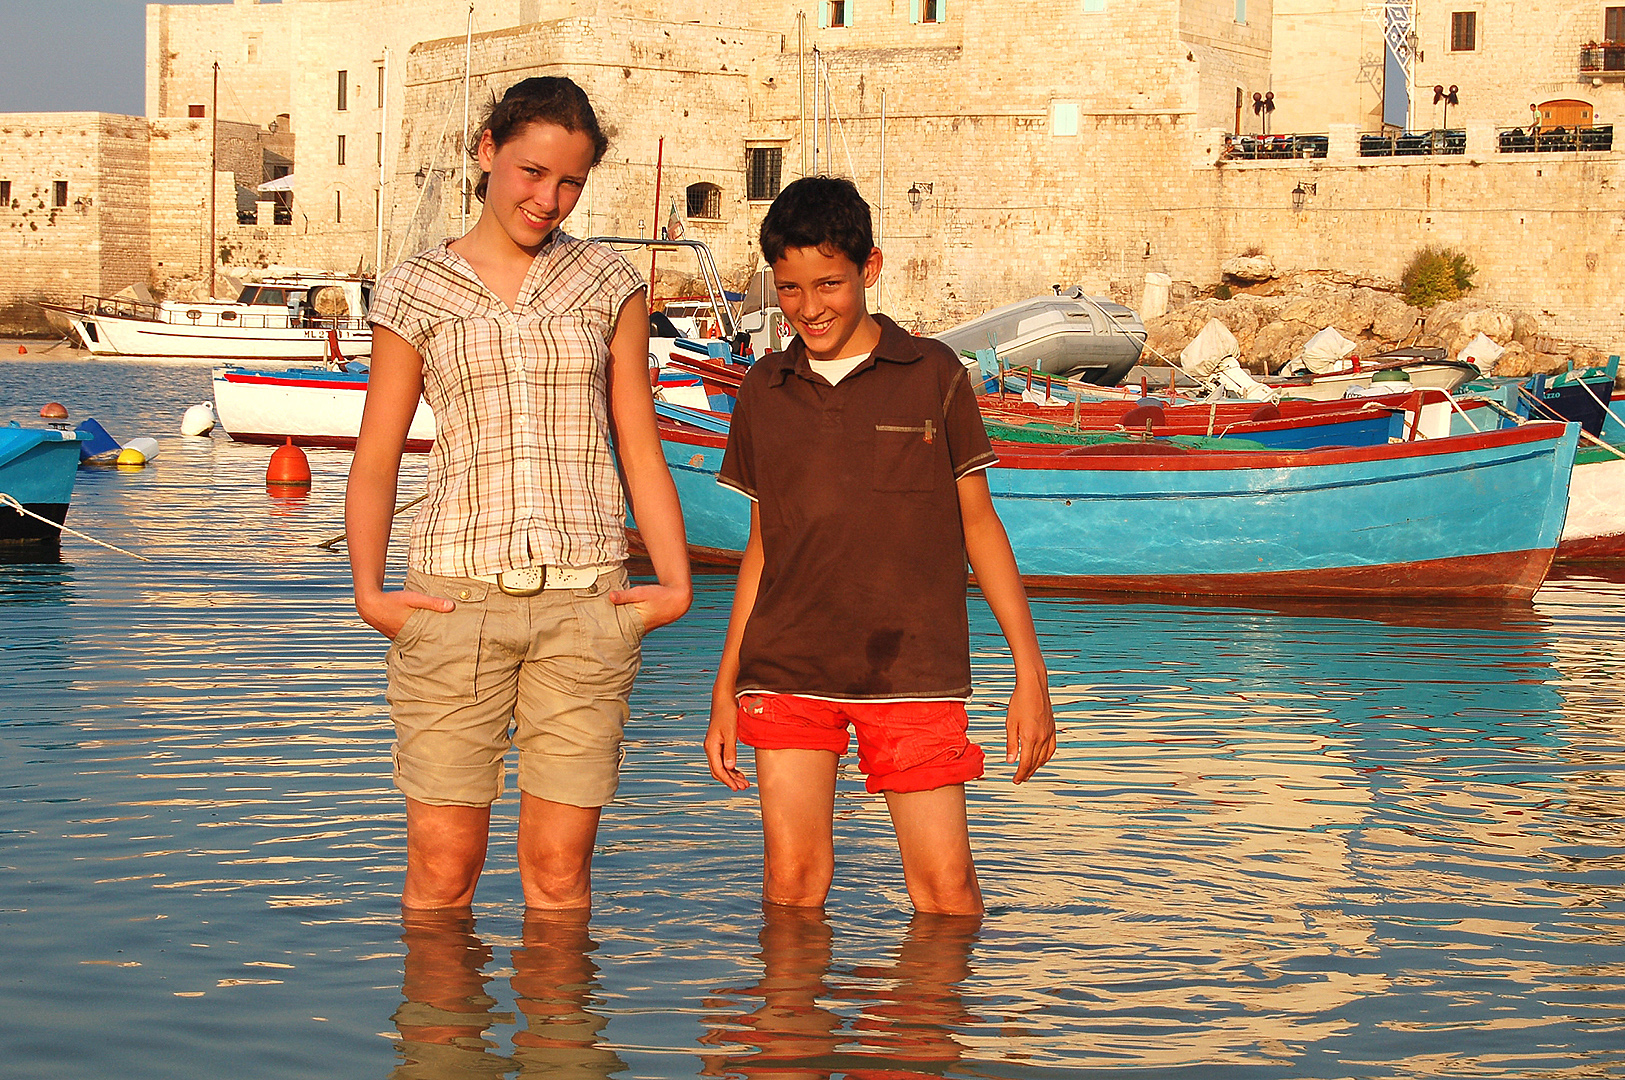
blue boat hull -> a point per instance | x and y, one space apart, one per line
1476 516
37 468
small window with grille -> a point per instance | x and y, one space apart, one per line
704 201
764 166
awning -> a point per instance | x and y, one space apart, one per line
281 183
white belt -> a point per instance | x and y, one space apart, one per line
533 579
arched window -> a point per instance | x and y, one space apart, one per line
704 201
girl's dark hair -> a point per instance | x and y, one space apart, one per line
818 212
546 99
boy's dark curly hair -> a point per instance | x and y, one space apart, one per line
818 212
545 99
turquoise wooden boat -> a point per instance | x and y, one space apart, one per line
37 469
1476 515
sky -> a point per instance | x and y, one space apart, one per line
74 55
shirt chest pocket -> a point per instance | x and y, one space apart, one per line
907 454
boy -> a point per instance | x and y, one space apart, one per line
862 450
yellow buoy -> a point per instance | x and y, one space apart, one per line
131 456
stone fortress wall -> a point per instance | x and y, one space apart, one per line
76 189
1079 145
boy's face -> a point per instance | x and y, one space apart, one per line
821 292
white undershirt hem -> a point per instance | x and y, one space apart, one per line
833 371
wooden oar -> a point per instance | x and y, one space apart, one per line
1584 434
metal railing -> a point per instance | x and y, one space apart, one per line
1605 57
214 314
1414 143
1552 140
1274 147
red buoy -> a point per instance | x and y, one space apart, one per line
289 467
22 350
54 410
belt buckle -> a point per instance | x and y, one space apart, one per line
526 582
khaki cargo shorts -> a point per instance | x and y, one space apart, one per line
549 674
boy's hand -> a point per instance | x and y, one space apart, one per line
722 741
1029 728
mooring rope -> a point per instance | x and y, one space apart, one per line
7 500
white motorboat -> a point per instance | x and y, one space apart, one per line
287 318
311 407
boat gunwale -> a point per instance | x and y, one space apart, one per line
1059 457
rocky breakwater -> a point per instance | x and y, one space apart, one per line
1273 315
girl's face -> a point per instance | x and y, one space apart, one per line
535 180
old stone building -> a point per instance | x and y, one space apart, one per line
1005 148
1330 64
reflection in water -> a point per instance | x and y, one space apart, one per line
555 985
446 1013
446 1020
905 1013
1277 842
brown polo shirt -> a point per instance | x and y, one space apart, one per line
862 594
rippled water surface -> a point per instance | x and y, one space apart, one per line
1311 842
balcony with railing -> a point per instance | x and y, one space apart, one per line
1553 140
1413 143
1604 59
1274 147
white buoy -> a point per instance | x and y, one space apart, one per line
147 448
199 419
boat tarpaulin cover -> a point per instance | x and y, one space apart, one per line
1321 355
1214 355
1482 353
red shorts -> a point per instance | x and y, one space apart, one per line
902 745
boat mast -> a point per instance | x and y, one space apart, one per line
880 204
801 82
214 152
654 249
383 137
468 57
815 111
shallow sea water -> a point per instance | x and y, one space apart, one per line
1305 842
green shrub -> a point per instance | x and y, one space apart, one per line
1437 274
1222 292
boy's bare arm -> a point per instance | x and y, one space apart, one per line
1030 723
722 737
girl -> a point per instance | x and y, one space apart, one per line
531 347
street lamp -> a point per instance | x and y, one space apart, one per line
1449 97
916 195
1300 195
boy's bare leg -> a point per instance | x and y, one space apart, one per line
797 790
555 853
445 852
934 839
